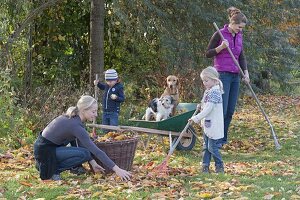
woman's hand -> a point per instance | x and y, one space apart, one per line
222 46
246 76
96 167
123 174
225 44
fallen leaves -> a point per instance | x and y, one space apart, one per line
25 183
183 179
204 195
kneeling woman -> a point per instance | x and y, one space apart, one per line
50 151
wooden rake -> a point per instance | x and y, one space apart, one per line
163 167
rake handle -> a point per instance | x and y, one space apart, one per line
277 145
180 136
96 97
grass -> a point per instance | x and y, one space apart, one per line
254 169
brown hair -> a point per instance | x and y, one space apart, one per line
236 16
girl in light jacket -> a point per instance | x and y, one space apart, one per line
211 117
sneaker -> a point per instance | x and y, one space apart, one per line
56 177
205 169
78 170
220 170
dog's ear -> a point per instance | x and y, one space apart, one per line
172 100
166 82
177 82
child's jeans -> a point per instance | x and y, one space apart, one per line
110 118
210 148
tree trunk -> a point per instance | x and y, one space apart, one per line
96 39
28 68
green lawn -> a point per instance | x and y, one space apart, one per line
254 169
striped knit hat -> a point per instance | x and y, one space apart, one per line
111 74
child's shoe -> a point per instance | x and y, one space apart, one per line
220 170
56 177
205 169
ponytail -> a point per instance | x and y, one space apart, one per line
221 86
84 103
72 111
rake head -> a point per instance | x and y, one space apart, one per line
162 169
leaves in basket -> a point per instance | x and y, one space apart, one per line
115 136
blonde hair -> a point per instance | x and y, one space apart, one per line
212 73
84 103
236 16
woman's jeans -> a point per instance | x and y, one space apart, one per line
211 148
231 85
69 157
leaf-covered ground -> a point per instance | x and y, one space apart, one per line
254 169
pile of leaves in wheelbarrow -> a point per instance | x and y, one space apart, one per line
115 136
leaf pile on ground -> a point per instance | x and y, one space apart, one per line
253 168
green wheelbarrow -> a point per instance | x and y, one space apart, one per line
171 127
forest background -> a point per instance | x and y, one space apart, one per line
46 53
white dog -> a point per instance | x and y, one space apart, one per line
159 108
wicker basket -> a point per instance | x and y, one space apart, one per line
121 152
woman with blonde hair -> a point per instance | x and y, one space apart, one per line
53 156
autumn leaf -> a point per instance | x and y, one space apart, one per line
25 183
204 195
294 197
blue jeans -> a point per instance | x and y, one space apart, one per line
210 148
231 85
68 157
110 118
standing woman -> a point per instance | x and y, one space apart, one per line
229 72
53 156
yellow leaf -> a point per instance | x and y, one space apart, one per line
96 194
204 195
61 38
293 197
97 176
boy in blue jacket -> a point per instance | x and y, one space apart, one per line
112 98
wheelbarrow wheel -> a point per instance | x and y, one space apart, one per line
187 143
